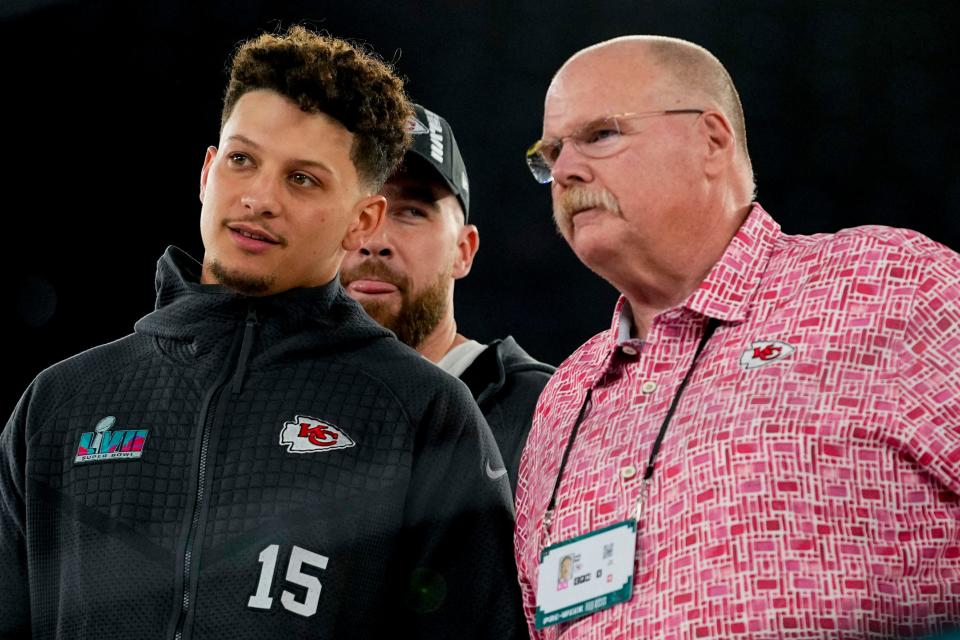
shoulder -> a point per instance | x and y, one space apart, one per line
388 358
576 369
406 376
862 265
87 367
869 246
513 380
58 384
518 363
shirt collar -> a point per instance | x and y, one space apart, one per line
622 321
727 291
615 339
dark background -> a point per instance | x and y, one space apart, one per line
108 107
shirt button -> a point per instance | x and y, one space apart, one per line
649 386
628 472
627 349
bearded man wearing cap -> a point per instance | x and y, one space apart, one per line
404 276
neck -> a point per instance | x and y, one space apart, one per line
441 340
654 291
647 303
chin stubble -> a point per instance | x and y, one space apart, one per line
244 283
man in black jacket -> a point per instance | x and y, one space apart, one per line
404 276
259 459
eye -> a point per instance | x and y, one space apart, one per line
602 132
409 213
303 180
239 159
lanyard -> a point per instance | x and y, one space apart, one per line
712 324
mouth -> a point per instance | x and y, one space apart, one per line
371 287
252 238
583 215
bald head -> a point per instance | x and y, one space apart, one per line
651 201
686 74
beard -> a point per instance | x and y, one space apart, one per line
244 283
419 313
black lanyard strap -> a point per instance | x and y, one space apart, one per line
712 324
707 333
566 450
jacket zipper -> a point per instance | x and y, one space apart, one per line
213 409
245 345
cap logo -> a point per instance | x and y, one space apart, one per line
415 127
436 136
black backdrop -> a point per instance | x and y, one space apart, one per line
109 105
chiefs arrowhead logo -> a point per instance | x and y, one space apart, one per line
765 352
304 434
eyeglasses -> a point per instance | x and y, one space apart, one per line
598 139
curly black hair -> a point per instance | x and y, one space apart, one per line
325 74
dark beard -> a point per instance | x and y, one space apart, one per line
419 315
240 282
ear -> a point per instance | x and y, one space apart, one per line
468 241
365 224
721 142
205 171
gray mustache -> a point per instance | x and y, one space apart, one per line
581 198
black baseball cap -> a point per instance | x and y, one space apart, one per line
434 142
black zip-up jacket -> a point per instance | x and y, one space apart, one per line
506 383
252 468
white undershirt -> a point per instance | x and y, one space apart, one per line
460 357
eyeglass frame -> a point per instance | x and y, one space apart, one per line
534 151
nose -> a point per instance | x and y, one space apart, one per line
571 166
261 197
378 245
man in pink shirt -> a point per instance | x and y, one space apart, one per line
766 441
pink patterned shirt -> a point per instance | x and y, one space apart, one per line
808 483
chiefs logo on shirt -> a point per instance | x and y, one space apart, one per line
765 352
304 434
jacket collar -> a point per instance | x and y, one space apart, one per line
488 372
187 311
